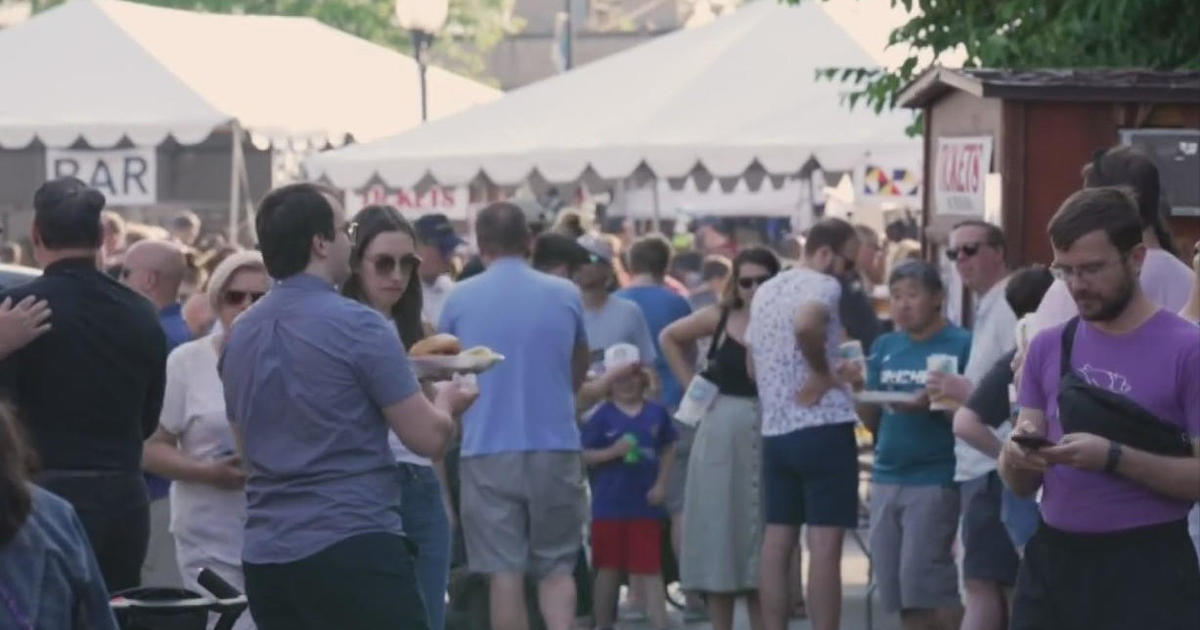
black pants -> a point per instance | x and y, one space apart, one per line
1141 578
362 583
115 514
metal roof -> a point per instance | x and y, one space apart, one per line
1098 84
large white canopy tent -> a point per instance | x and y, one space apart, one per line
103 72
737 97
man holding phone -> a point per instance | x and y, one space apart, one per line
1112 550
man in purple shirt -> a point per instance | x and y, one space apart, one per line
1112 550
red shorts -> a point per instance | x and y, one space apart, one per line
628 545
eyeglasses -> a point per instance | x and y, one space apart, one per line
965 251
351 231
238 298
386 265
1085 272
749 282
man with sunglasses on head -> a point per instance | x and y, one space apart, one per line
977 249
607 319
90 390
313 384
155 269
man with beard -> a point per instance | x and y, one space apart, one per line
1115 394
810 465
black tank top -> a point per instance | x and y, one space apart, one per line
727 364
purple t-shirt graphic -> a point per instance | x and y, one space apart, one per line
1156 366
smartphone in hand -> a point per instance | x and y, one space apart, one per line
1032 442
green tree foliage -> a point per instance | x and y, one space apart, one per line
1022 34
474 27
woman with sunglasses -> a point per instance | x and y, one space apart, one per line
723 517
194 443
383 275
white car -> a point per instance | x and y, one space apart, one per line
16 275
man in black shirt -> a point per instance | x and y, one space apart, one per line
90 390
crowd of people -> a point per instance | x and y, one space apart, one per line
177 406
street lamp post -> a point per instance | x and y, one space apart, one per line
422 19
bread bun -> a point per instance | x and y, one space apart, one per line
436 345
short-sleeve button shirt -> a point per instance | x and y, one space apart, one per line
307 374
779 366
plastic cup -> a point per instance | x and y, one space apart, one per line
948 364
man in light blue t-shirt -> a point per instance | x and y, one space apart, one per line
523 497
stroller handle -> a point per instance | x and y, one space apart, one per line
217 585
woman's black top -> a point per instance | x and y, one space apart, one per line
727 364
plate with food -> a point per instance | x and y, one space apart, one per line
441 356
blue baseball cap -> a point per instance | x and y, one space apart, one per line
436 229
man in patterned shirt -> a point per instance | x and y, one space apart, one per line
810 470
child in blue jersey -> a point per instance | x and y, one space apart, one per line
628 445
914 502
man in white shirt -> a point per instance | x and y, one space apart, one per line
989 558
436 243
810 465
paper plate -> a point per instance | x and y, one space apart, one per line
887 398
444 366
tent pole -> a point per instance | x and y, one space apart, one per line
235 189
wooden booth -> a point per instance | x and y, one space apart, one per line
1009 146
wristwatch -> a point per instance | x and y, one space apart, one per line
1114 457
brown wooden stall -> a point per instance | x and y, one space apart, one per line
1044 125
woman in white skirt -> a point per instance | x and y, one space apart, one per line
722 506
194 444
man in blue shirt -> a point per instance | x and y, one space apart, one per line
155 269
522 497
313 382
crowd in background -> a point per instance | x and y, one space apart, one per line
191 404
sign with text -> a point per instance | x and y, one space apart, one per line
451 201
960 175
127 177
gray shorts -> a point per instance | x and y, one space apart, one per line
912 531
677 481
523 512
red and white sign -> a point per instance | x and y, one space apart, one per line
451 201
960 173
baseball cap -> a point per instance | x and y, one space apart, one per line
437 230
621 354
597 246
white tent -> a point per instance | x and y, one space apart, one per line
739 91
100 70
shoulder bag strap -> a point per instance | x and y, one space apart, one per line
716 338
1068 340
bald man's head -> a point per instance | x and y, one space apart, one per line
155 268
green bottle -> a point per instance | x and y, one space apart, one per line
635 454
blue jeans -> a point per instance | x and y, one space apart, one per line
426 525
